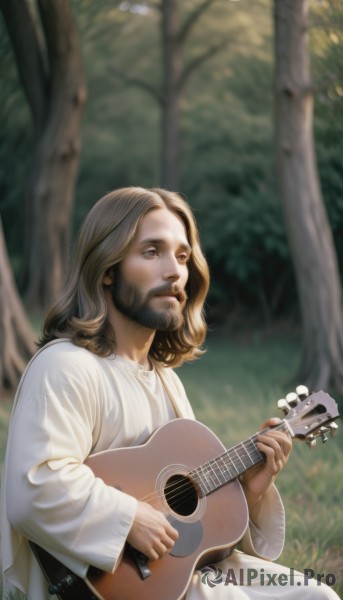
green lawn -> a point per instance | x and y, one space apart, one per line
234 387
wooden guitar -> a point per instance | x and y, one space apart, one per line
184 471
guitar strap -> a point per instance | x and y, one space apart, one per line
169 389
20 385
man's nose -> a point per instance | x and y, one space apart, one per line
172 269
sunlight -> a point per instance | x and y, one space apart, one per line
138 9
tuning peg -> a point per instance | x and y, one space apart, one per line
333 428
302 391
284 406
322 433
292 399
311 442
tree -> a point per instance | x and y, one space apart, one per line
49 65
16 334
176 73
175 77
309 233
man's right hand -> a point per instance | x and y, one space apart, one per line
151 533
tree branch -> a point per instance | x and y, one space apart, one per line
200 59
137 82
192 19
326 82
29 59
325 24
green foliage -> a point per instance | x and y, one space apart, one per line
246 245
228 171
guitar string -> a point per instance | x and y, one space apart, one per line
177 493
186 490
205 469
180 489
177 489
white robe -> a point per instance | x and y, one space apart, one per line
70 404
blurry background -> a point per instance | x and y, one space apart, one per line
238 105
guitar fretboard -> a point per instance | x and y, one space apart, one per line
228 466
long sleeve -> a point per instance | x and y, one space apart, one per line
265 537
52 498
59 503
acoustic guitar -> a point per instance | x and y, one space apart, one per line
184 471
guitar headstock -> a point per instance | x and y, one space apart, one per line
309 416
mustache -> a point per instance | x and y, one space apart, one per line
168 289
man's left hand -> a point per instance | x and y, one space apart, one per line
276 446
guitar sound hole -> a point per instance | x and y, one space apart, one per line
181 495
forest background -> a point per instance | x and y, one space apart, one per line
227 161
228 172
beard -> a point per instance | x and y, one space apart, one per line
130 302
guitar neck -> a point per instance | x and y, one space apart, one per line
229 465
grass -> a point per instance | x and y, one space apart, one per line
233 388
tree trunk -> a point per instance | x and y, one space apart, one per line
50 189
174 36
172 94
16 334
309 233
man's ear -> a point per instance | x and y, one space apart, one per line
108 277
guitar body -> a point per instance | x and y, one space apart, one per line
208 526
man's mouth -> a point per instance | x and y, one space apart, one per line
169 296
178 295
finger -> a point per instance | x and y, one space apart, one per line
284 440
152 554
270 441
277 433
172 532
271 459
276 457
160 548
275 454
272 422
170 543
279 465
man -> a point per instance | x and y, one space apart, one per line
130 310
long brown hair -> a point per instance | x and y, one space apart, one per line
80 312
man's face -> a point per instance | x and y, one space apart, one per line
149 286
